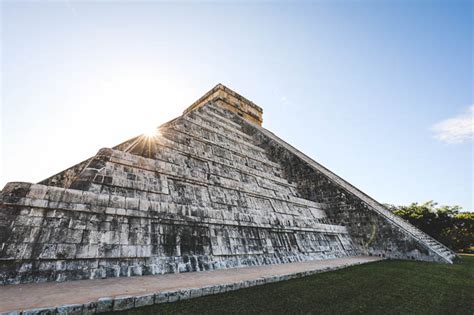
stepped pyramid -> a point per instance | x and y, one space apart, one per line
211 189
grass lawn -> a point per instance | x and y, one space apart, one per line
386 287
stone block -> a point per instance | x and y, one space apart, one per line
207 290
104 304
48 251
89 198
144 300
184 294
89 308
228 287
70 309
144 205
65 251
121 211
128 251
162 297
40 203
13 192
80 207
122 303
260 281
173 296
101 200
117 202
72 196
40 311
87 251
132 203
194 293
73 235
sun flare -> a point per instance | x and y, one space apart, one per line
151 132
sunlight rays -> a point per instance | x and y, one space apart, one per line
151 132
146 144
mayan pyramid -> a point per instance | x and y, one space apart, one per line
211 189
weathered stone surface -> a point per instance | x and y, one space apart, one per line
212 190
208 290
144 300
89 308
123 303
39 311
72 309
104 304
184 294
194 293
173 297
161 297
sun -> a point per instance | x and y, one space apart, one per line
151 132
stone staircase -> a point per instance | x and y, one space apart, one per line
436 246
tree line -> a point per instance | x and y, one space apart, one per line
447 224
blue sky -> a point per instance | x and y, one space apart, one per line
380 92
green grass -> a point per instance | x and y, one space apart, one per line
386 287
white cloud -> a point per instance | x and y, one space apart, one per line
457 129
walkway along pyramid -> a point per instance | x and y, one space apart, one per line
212 189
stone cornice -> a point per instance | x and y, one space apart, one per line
228 99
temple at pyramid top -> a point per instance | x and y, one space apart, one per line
228 99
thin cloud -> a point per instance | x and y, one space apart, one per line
71 7
284 100
457 129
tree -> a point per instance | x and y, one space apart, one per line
447 224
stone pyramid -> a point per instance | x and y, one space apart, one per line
212 189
